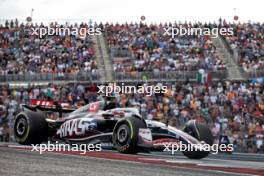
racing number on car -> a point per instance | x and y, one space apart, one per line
94 107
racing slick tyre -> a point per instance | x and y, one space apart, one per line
200 132
125 134
30 128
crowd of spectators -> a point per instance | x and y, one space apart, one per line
152 50
21 51
234 109
248 41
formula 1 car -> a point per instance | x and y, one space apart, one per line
124 129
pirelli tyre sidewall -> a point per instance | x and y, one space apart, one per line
30 128
125 134
200 132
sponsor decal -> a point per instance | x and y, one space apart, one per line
42 103
94 107
45 103
76 127
107 144
145 134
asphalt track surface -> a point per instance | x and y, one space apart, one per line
16 160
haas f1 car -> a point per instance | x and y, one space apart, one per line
124 129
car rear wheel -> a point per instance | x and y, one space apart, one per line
30 128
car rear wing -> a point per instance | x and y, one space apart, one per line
44 105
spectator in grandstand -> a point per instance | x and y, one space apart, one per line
259 138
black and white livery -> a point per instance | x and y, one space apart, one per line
123 129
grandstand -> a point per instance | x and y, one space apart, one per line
248 47
230 96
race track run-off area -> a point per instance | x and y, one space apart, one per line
20 160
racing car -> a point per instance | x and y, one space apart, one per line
124 129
